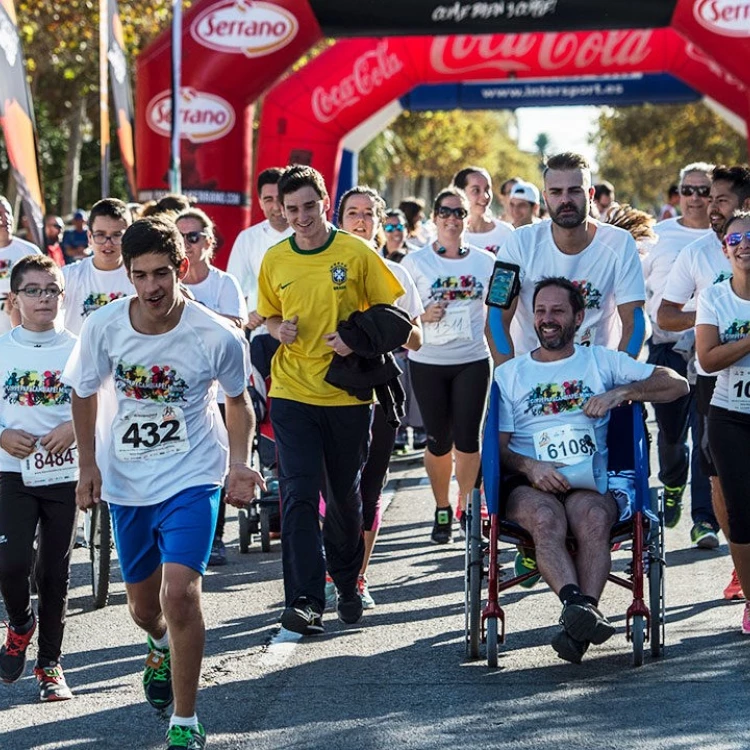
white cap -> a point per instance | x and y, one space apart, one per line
525 191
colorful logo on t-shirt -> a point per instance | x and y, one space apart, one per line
95 300
739 329
338 275
722 276
5 267
450 288
591 295
155 383
31 388
556 398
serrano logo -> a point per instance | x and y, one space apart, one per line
725 17
203 117
369 72
244 27
697 54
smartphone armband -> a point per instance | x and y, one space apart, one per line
505 284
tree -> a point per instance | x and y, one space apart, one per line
642 149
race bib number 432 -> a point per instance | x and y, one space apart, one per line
565 445
151 432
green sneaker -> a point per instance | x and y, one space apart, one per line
187 738
157 678
673 505
704 536
525 563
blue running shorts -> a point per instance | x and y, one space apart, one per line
177 530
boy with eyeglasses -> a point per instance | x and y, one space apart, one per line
38 471
97 280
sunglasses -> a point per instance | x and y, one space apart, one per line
393 227
444 212
193 238
734 239
703 191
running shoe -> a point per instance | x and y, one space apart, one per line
157 676
186 738
704 536
13 653
218 553
364 593
442 529
525 562
569 648
673 505
734 588
302 617
330 592
349 608
419 438
746 619
584 622
52 685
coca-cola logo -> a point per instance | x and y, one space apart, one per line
369 72
202 117
519 53
250 28
725 17
697 54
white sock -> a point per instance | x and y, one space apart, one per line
183 722
162 642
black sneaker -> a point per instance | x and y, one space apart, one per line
13 652
673 505
302 617
218 553
349 608
419 439
569 648
442 529
157 676
584 622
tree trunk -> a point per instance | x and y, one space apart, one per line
73 159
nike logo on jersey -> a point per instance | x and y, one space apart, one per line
284 286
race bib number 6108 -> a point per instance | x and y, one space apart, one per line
151 432
565 445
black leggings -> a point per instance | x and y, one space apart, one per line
729 440
452 400
375 471
54 509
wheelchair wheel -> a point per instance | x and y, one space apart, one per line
656 578
100 553
493 642
244 531
473 578
638 632
265 528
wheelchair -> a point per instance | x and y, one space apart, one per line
628 450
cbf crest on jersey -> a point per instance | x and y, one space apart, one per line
338 274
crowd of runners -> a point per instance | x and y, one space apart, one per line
126 368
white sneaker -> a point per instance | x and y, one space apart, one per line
364 592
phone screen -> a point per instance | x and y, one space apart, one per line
503 285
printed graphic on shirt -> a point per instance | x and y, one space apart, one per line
722 276
556 398
739 329
5 268
155 383
451 288
31 388
339 275
591 295
95 300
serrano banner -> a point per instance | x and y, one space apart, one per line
17 118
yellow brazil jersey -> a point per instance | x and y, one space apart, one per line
323 287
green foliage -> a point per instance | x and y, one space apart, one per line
642 149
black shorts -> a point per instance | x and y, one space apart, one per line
704 391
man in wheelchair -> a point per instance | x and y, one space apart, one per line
554 409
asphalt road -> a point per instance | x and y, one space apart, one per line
400 678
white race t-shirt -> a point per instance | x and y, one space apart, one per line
409 302
699 266
543 398
719 306
87 289
246 256
159 430
33 397
490 241
608 273
657 266
17 249
461 282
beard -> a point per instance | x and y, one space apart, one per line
570 220
558 340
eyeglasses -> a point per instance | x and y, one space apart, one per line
444 212
193 238
703 191
100 238
734 239
393 228
36 291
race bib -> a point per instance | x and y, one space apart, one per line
150 432
454 326
739 389
42 467
567 444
